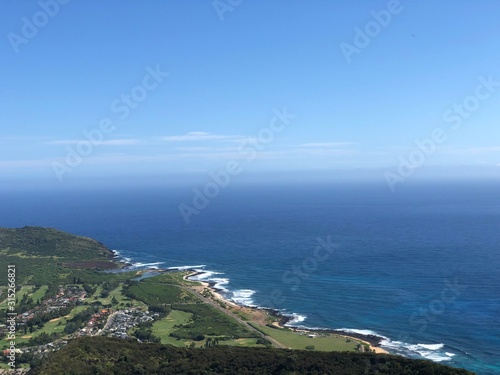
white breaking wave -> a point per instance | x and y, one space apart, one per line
122 259
183 268
428 351
243 297
219 283
296 319
436 357
431 346
365 332
203 275
240 297
207 276
146 265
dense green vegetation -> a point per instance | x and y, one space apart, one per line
207 321
106 356
47 256
158 294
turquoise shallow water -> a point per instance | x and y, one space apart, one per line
419 267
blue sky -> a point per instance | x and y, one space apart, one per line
220 82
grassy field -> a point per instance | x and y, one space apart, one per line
297 341
19 294
26 289
211 322
250 342
171 323
40 293
174 278
118 294
156 294
162 328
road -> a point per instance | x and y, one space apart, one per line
109 321
211 302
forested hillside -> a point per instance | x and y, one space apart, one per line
108 356
43 255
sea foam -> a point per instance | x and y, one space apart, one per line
365 332
295 319
145 265
243 297
432 352
184 268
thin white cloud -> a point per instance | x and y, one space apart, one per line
121 142
206 149
33 163
325 152
472 150
110 142
63 142
200 136
478 150
326 144
22 139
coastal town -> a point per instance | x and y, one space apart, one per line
63 307
49 319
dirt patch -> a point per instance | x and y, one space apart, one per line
254 315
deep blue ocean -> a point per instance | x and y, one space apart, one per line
420 266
